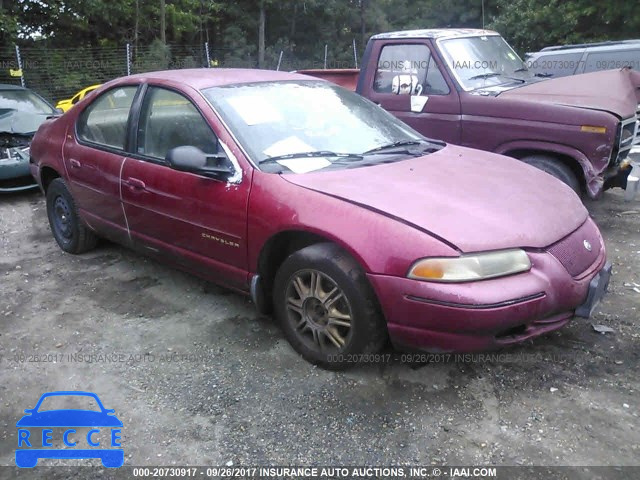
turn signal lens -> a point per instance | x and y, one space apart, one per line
592 129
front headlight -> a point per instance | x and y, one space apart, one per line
469 268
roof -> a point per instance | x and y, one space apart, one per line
435 33
200 78
7 86
619 43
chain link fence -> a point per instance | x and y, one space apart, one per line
59 73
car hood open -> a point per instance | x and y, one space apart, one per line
20 122
473 199
611 91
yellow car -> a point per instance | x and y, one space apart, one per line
65 105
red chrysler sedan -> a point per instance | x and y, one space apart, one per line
346 223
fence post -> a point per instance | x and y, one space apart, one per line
326 47
22 82
128 59
355 53
206 52
279 60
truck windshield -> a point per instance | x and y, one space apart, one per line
483 61
308 125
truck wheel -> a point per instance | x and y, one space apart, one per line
555 167
327 308
67 227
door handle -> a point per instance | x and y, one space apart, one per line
135 184
75 163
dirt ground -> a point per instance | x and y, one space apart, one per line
199 378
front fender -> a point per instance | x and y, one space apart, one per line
594 177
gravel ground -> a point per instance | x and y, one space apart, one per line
199 378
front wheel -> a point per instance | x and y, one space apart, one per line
67 227
327 308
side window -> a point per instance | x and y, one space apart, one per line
169 120
435 84
408 69
558 65
612 60
105 121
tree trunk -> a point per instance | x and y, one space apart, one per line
263 15
292 31
362 23
163 22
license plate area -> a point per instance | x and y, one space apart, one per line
597 288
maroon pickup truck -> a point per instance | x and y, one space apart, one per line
468 87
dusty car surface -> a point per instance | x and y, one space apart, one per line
21 113
326 209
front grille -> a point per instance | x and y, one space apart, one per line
627 136
571 251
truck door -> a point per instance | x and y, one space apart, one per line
406 68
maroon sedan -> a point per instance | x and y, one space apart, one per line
345 222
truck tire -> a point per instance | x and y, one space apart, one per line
556 168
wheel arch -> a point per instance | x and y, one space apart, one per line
570 161
48 175
275 251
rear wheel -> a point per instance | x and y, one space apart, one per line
67 227
555 167
327 309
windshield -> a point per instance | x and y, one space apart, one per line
308 125
483 61
24 101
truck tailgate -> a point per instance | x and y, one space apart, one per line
345 77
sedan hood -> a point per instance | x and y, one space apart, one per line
20 122
611 91
474 200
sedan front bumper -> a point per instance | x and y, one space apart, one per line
15 175
485 315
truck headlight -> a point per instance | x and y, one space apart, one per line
469 268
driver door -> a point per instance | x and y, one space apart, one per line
199 222
405 69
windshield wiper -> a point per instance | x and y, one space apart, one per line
496 74
485 75
320 153
391 146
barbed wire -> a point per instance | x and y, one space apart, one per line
59 73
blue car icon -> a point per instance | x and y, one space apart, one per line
27 455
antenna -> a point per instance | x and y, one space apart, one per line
482 14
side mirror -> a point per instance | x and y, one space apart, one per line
192 159
59 111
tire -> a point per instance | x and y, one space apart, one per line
67 227
338 319
556 168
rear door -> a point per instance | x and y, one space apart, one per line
409 67
94 157
199 222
